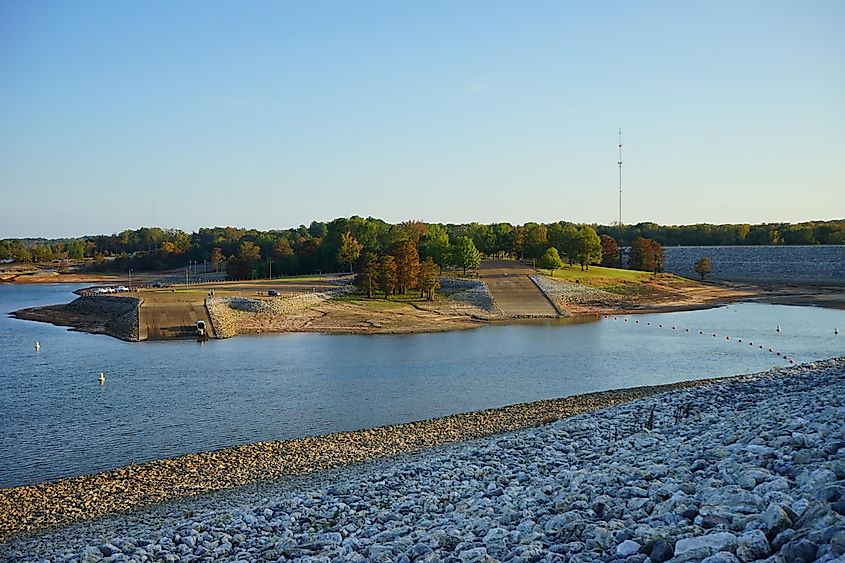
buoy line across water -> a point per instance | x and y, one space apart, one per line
675 328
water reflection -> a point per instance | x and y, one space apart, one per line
164 399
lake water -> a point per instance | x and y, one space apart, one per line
769 264
164 399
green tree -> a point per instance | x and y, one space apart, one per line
42 253
465 255
564 237
702 266
76 250
387 277
368 279
429 278
435 244
550 260
20 253
587 247
350 249
536 240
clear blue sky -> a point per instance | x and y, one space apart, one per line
185 114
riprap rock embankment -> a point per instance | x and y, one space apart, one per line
751 468
115 315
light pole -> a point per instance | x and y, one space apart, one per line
270 265
130 279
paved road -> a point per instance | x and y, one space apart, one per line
173 318
167 314
513 291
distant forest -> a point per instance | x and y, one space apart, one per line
344 243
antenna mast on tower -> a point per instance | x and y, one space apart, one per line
620 176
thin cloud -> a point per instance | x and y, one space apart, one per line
476 87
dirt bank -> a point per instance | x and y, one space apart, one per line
58 277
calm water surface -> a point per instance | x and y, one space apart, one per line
164 399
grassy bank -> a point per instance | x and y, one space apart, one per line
624 282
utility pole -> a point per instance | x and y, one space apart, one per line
186 278
620 176
270 265
130 279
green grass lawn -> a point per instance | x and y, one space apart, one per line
360 298
615 279
600 275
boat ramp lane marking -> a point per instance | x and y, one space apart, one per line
675 328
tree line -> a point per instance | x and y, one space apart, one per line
346 243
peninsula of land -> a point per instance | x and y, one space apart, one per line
500 291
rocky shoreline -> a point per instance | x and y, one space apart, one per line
116 316
744 468
232 316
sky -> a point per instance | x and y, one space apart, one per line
269 115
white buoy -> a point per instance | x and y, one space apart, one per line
778 328
37 346
102 378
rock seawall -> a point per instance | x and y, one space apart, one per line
565 294
120 314
116 316
230 315
473 294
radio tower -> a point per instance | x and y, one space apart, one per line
620 176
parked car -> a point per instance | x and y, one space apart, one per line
272 293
